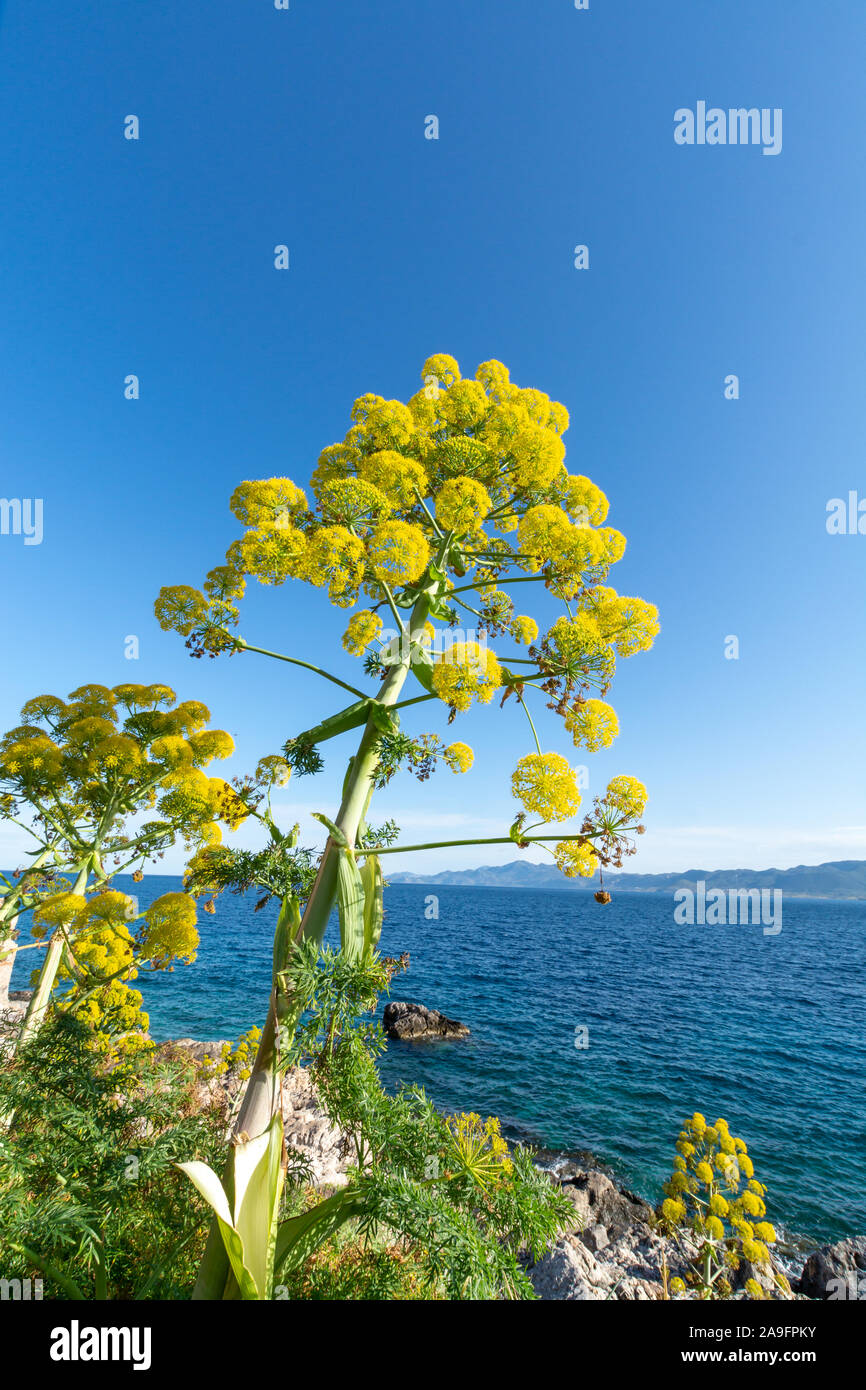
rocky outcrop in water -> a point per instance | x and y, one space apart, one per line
836 1271
403 1020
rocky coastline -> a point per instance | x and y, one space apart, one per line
613 1250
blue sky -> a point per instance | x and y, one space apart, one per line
306 127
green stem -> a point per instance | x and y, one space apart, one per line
415 700
430 517
295 661
262 1093
518 579
531 725
468 607
41 996
51 1272
392 605
494 840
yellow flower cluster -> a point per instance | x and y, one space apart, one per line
458 756
101 940
273 551
98 930
628 796
466 672
267 500
575 858
170 933
335 560
353 502
462 504
118 1022
88 760
237 1059
103 954
418 504
546 785
398 553
593 725
631 624
364 627
454 439
523 629
402 480
576 647
273 771
585 503
479 1148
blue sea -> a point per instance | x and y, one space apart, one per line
767 1030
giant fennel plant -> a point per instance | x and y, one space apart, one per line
425 516
103 783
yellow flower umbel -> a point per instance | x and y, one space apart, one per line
593 725
479 1149
353 502
107 944
462 505
466 672
364 627
628 796
335 560
631 624
170 934
546 786
399 478
458 756
524 629
398 553
575 648
576 860
585 503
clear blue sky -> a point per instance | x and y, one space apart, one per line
306 127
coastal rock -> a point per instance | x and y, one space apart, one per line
598 1201
568 1272
403 1020
836 1271
611 1251
595 1238
627 1269
615 1250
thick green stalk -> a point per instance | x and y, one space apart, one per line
41 996
262 1094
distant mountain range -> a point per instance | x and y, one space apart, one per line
844 878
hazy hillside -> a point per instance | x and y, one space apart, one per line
844 878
